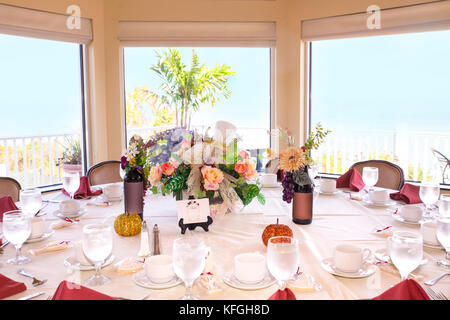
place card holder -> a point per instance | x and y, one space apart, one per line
193 213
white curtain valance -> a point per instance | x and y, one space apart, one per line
416 18
197 33
40 24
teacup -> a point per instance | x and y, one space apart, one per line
411 213
428 229
379 196
250 267
328 185
159 268
79 254
350 258
37 227
268 178
113 190
69 207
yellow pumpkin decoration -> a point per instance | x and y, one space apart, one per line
128 224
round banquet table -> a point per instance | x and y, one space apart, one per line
337 219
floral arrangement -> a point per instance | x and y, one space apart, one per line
136 157
72 151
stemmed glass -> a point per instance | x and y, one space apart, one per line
17 229
444 205
406 251
429 194
97 247
370 177
282 259
71 182
189 258
30 201
443 235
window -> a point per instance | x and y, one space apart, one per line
248 105
41 105
383 97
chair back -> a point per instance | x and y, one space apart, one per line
10 187
390 175
104 173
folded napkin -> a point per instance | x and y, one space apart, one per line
9 287
351 179
409 194
6 204
72 291
285 294
408 289
84 191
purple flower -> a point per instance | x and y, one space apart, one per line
123 162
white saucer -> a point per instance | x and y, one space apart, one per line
71 262
329 193
80 212
275 185
142 280
399 218
367 269
381 255
432 246
231 280
368 202
41 238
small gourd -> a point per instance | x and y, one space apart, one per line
128 224
276 230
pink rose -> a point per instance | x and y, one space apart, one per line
155 175
251 173
244 154
212 177
167 169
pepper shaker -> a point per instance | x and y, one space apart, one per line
156 249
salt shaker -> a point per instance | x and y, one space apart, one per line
156 249
144 251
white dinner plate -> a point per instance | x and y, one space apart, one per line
366 270
368 202
142 280
41 238
72 263
399 218
275 185
231 280
80 212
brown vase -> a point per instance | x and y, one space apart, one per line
302 208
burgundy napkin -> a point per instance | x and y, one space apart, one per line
351 179
9 287
408 289
84 191
409 194
6 204
72 291
286 294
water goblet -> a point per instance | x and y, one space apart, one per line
71 182
406 251
189 258
370 177
444 205
443 235
429 194
282 259
17 229
30 201
97 247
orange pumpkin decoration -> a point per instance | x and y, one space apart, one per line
276 230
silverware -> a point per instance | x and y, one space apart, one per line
145 298
4 244
52 201
31 296
36 282
432 282
435 295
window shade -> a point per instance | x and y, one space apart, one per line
40 24
135 33
416 18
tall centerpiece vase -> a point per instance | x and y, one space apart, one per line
133 187
302 203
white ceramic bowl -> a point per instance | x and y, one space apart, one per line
159 268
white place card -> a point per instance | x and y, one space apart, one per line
193 211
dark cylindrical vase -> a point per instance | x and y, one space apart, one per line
302 208
133 187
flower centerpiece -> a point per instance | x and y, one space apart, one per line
71 156
136 158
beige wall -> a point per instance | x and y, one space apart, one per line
106 101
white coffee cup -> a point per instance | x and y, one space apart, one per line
268 179
379 196
159 268
250 267
79 254
428 229
350 258
37 227
113 190
328 185
69 206
411 213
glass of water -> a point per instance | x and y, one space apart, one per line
17 229
443 235
444 205
429 194
370 177
189 259
97 247
406 251
30 201
282 259
71 182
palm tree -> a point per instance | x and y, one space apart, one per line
186 90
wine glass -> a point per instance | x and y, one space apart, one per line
429 194
189 258
370 177
444 205
282 259
30 201
406 251
17 229
443 235
97 247
71 182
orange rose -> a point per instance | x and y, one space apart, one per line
241 166
167 169
212 176
251 173
155 175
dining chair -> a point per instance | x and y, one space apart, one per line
390 175
10 187
104 172
444 162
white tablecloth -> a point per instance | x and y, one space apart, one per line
337 219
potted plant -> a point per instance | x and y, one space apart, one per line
71 156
